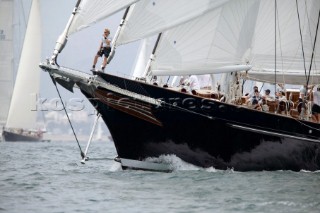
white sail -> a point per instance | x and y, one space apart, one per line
289 51
215 42
241 33
28 76
142 58
6 58
92 11
288 77
148 18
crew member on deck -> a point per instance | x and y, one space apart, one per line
104 49
316 103
303 92
190 83
267 95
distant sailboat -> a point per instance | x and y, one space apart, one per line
21 122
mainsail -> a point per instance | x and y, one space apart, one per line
28 77
290 60
241 33
6 58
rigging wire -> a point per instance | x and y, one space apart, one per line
280 44
304 59
308 18
275 45
314 46
55 84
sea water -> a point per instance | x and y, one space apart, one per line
48 177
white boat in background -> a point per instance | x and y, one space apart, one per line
198 37
21 123
6 58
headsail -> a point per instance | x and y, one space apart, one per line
215 42
147 18
28 76
92 11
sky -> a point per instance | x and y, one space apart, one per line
82 46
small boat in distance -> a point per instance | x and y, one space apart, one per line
206 128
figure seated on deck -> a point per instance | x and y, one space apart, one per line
255 96
255 105
190 83
247 96
267 96
264 105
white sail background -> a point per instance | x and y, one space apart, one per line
147 18
92 11
28 77
219 38
241 33
144 52
6 58
290 58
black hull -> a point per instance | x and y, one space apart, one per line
14 137
203 132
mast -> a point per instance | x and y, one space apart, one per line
147 70
114 40
63 38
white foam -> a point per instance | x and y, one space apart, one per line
115 167
176 164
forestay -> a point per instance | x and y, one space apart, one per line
92 11
147 17
241 32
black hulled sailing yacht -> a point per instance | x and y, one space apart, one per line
205 37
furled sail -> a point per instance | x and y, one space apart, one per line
215 42
6 58
28 77
92 11
241 33
147 17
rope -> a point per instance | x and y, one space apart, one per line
307 125
314 46
275 45
55 84
304 59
